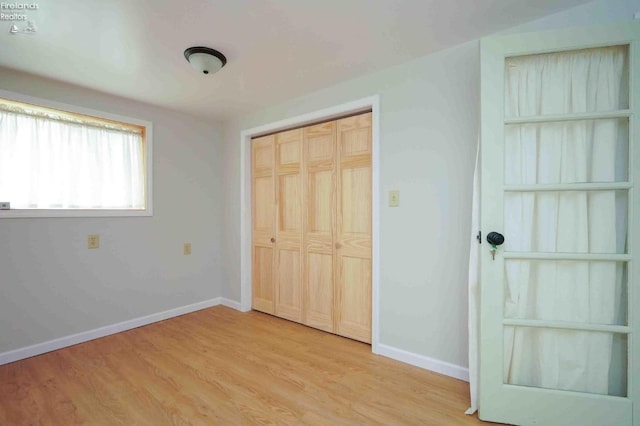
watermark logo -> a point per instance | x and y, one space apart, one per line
17 14
29 28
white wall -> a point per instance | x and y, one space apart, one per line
52 286
598 12
429 112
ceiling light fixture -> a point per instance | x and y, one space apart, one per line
205 60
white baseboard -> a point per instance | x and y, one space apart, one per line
231 304
74 339
425 362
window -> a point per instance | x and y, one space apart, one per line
71 162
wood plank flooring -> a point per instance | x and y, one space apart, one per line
220 366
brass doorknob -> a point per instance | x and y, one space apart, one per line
273 240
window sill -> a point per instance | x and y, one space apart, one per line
52 213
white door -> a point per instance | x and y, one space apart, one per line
560 298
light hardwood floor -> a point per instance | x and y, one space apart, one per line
220 366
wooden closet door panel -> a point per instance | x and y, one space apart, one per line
318 283
353 236
263 291
354 296
289 204
288 256
263 214
289 297
264 202
319 294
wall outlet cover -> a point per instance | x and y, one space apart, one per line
93 241
5 205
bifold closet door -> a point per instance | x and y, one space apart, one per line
320 219
353 234
288 239
312 226
263 209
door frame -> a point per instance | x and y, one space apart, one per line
371 103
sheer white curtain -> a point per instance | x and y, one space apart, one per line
52 164
474 292
571 222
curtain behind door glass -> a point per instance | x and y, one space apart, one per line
590 80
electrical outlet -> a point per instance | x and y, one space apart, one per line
93 241
187 249
394 198
5 205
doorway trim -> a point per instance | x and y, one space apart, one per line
360 105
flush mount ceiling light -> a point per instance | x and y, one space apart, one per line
204 59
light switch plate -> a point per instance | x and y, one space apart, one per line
5 205
394 198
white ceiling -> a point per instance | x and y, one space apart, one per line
276 49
